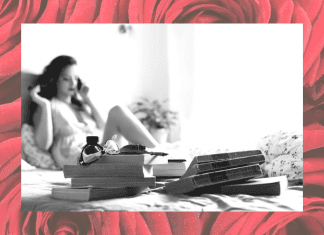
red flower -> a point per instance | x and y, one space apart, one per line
199 11
308 222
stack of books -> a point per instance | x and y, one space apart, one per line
163 167
117 175
227 173
174 168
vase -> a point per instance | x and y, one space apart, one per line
160 134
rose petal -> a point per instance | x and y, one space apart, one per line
127 223
316 178
157 222
313 164
161 10
9 183
225 221
313 140
310 76
110 222
312 8
10 157
10 63
12 26
136 11
114 11
10 116
264 11
312 116
281 11
10 220
246 8
141 226
311 203
10 89
50 13
315 93
313 126
33 11
220 12
320 71
316 153
10 44
300 16
207 220
174 14
316 42
184 222
61 10
81 12
9 135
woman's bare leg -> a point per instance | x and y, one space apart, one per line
121 121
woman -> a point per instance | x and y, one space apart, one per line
66 115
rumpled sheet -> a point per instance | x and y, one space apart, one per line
37 184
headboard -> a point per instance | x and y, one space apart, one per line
27 80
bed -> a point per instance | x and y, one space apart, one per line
37 182
36 187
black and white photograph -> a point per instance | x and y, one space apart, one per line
143 117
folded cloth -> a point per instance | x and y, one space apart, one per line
283 153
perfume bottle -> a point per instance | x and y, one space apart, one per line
91 152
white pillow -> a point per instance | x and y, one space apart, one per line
33 154
283 152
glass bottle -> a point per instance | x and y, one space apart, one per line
91 152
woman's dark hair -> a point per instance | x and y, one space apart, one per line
49 79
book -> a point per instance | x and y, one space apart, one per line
273 186
146 159
177 160
170 169
108 170
113 182
191 183
222 156
93 193
223 164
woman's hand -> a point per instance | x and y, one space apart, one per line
84 93
37 98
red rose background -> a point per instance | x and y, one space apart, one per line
308 12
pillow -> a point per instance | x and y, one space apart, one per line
34 155
283 152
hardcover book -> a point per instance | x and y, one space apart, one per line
222 156
93 193
191 183
170 169
108 170
273 186
224 164
142 159
113 182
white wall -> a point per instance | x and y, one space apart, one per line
181 59
248 83
117 67
154 73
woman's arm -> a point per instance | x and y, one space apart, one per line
43 122
94 112
95 115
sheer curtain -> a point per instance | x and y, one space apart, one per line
235 84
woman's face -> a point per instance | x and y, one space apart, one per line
67 82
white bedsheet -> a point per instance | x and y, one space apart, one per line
37 184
